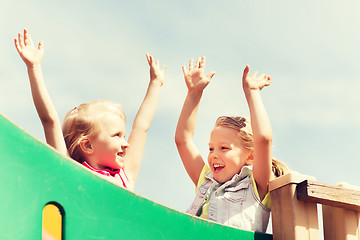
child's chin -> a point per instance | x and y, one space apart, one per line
120 164
219 180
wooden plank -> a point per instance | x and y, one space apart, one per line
328 195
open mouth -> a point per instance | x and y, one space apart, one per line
218 167
121 154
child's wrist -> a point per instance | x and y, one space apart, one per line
195 92
33 66
251 91
157 81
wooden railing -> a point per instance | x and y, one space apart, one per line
294 200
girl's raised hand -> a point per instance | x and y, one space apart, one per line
195 78
155 71
27 51
255 82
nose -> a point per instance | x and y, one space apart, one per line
214 154
125 144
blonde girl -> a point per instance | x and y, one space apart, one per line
233 188
93 133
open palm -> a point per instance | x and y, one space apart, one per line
254 81
195 78
155 71
27 51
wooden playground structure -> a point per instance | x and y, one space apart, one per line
294 212
34 176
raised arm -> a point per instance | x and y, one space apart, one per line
143 119
261 128
196 81
43 104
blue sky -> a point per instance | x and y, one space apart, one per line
96 49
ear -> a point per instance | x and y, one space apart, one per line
86 147
250 159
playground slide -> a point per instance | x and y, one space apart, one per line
89 207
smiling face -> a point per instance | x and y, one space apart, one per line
227 154
109 146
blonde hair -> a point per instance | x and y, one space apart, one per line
243 127
83 122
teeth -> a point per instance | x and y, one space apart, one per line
218 165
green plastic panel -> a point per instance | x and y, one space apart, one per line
33 175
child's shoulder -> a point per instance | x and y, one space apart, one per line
206 169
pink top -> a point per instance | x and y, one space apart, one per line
118 175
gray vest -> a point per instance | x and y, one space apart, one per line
233 203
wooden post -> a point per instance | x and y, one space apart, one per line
292 219
341 207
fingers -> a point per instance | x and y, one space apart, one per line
202 63
268 80
259 81
163 69
17 46
210 75
254 74
262 76
154 63
27 38
21 43
197 63
184 70
148 58
265 77
41 46
191 64
246 72
151 60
